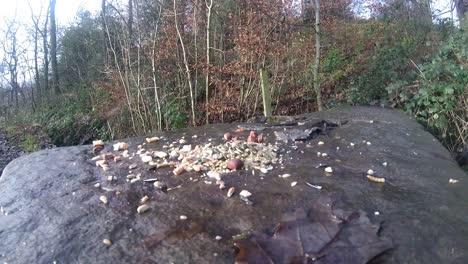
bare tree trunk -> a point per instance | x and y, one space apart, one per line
103 25
462 10
187 69
53 48
207 76
130 19
36 54
426 13
36 58
317 56
45 44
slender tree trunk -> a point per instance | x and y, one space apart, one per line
317 56
187 69
426 13
36 64
207 76
45 44
53 48
130 19
462 10
103 25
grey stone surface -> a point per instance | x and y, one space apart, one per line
51 210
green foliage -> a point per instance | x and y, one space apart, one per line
82 52
441 98
387 66
71 121
175 116
333 61
29 143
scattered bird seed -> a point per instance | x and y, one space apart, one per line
319 154
222 186
182 141
98 143
144 199
385 164
103 199
453 181
150 180
293 184
120 146
234 164
160 154
263 170
370 172
351 144
132 166
142 208
324 155
157 184
218 238
179 170
368 143
152 139
110 178
231 191
146 158
134 180
97 185
101 163
227 136
320 143
183 217
213 174
286 175
376 213
376 179
328 169
318 187
107 242
245 194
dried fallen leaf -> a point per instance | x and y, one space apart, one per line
320 236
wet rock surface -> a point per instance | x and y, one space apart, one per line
52 205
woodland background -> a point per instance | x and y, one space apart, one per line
141 66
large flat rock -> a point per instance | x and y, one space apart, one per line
51 209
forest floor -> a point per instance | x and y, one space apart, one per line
8 151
